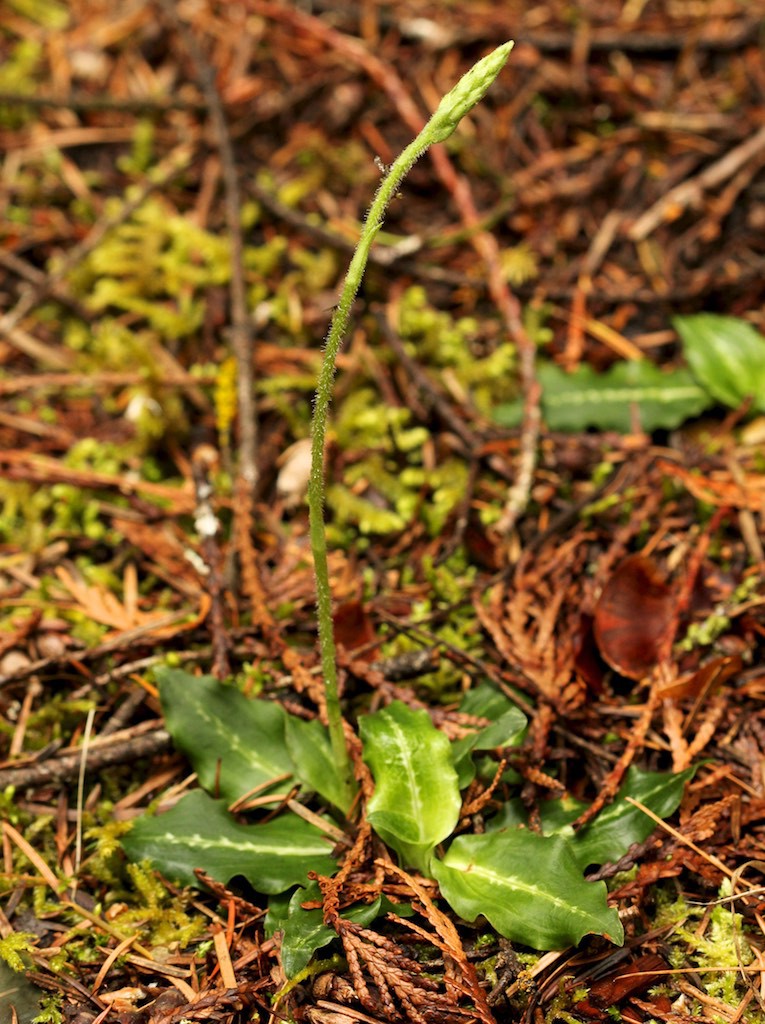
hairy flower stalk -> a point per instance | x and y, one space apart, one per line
470 89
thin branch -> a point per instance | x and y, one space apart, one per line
67 766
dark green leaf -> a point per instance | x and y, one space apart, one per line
507 727
615 829
304 931
310 749
529 887
234 744
726 355
621 824
200 833
556 816
613 400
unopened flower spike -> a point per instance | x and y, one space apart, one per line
470 89
458 101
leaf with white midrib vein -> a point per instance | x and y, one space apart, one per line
272 856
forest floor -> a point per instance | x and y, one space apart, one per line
181 188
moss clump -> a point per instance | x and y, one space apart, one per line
716 954
486 374
156 265
19 72
161 918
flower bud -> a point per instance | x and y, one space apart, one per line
470 89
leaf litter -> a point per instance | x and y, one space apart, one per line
608 585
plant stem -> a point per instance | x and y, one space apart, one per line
450 111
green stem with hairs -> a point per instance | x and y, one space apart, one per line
455 104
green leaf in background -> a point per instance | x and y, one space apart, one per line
726 356
555 816
233 743
612 400
529 887
309 747
200 833
615 829
621 824
508 725
416 802
304 931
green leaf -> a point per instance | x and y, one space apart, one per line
555 816
608 401
615 829
726 355
416 802
621 824
529 887
304 931
200 833
506 730
315 767
18 993
233 743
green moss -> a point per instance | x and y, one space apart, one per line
14 946
438 340
364 422
519 264
155 266
448 583
46 13
160 918
50 1010
105 861
142 153
19 72
264 260
716 954
368 517
704 634
319 269
54 719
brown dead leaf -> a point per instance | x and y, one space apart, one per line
634 617
103 607
628 980
353 628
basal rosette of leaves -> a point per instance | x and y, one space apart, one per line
529 886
